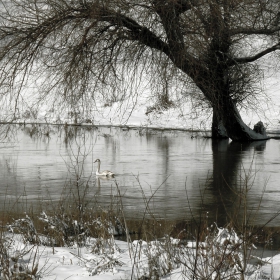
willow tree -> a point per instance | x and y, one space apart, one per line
79 47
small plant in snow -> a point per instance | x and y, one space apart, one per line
155 258
106 252
26 228
104 232
62 230
103 263
220 256
13 264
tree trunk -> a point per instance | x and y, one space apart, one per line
236 129
218 129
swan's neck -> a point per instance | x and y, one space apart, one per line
98 167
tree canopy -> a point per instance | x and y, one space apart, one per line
82 51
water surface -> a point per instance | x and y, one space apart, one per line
171 174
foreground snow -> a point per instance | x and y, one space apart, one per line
122 261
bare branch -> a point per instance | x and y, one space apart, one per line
255 31
243 60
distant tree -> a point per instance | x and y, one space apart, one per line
81 48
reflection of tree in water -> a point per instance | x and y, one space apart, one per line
229 174
163 144
71 132
40 132
8 132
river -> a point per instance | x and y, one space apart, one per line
170 174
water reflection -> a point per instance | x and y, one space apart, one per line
231 174
179 175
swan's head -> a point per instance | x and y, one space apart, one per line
97 160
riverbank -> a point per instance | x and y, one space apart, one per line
28 254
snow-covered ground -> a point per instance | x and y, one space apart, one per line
31 256
126 262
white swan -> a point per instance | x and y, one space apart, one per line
106 173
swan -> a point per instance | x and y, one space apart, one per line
106 173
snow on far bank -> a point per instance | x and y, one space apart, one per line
176 117
180 116
135 109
